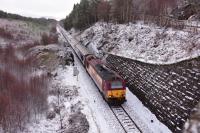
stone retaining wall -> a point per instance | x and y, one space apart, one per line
169 91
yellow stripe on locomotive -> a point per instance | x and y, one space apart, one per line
120 94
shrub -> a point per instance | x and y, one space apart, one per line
22 92
46 39
5 34
53 29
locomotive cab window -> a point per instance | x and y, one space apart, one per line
116 85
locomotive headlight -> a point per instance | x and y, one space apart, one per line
110 95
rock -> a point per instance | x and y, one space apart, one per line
76 107
57 109
77 123
51 115
70 92
130 39
193 123
51 56
195 17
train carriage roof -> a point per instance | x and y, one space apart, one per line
83 49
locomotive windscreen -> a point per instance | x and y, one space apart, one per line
116 85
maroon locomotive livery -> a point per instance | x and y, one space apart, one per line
111 85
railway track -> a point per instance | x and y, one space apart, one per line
125 120
122 116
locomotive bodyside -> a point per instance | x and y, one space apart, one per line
111 85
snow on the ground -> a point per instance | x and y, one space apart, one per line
71 102
23 32
142 115
92 105
67 78
146 43
102 115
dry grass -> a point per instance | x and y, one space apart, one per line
49 39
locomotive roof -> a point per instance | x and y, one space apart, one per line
105 72
83 49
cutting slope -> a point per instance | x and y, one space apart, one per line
146 43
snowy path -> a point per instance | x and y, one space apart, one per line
103 116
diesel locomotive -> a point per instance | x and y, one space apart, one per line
110 84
